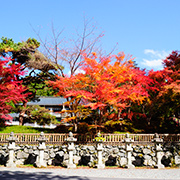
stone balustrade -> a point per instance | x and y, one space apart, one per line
98 155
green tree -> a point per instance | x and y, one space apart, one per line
38 114
39 69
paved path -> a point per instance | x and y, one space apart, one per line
87 174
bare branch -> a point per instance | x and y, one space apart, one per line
69 57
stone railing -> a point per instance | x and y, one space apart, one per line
110 139
99 155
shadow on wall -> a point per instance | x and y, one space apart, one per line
85 160
31 159
58 160
3 159
138 161
111 161
166 161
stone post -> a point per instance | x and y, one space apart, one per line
99 148
70 140
128 148
11 148
157 143
40 162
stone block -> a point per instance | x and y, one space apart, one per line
115 150
146 151
52 155
121 154
66 156
2 152
177 160
149 162
4 147
74 152
56 149
30 151
122 162
36 152
147 157
168 154
46 156
19 162
34 147
134 154
65 163
60 153
22 155
91 148
133 158
137 150
105 154
49 162
63 147
91 151
152 154
76 159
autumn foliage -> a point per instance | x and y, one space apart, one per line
11 90
163 105
107 84
109 91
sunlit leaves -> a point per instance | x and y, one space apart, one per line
11 90
107 84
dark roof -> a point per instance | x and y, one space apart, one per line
48 101
14 115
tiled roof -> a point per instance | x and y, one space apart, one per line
48 101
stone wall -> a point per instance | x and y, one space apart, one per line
87 155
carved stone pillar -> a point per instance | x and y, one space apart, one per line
99 148
157 144
11 147
128 148
70 140
40 162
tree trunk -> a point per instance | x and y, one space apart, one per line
22 113
75 127
96 127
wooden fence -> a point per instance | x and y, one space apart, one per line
110 139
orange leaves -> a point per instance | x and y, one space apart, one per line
106 82
174 87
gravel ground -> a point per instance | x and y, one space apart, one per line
106 173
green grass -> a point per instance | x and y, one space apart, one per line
25 165
24 129
118 132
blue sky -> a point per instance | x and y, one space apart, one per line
146 29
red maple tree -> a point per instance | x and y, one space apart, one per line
11 90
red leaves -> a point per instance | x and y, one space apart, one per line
168 78
173 61
11 90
